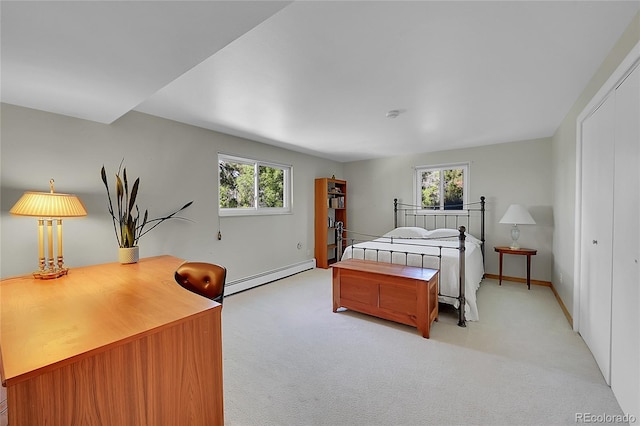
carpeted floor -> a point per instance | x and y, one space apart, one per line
289 360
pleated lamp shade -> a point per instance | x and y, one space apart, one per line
49 207
48 204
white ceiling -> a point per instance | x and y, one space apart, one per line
315 76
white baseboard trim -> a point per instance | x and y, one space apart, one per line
246 283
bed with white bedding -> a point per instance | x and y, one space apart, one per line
435 249
435 240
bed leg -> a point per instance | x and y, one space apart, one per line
462 301
462 322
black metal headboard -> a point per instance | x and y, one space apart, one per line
471 216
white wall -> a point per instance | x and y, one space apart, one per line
564 168
516 172
175 162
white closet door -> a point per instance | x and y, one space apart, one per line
625 340
597 231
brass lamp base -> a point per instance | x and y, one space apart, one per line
51 274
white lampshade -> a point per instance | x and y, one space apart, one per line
517 214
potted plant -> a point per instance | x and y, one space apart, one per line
126 219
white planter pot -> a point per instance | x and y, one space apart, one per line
128 254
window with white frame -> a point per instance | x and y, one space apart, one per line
252 187
442 187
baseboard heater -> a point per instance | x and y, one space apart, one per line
246 283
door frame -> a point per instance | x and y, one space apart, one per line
621 72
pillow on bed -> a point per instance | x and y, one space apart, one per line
407 232
451 233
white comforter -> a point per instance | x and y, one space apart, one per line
449 271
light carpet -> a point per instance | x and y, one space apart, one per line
289 360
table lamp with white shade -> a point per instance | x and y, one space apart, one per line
516 215
47 207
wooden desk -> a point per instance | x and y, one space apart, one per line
521 251
404 294
112 345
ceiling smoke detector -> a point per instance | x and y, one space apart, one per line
393 113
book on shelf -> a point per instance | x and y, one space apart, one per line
336 202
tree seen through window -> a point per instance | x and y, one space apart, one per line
252 185
442 188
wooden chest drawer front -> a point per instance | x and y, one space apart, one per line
398 298
392 298
357 288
